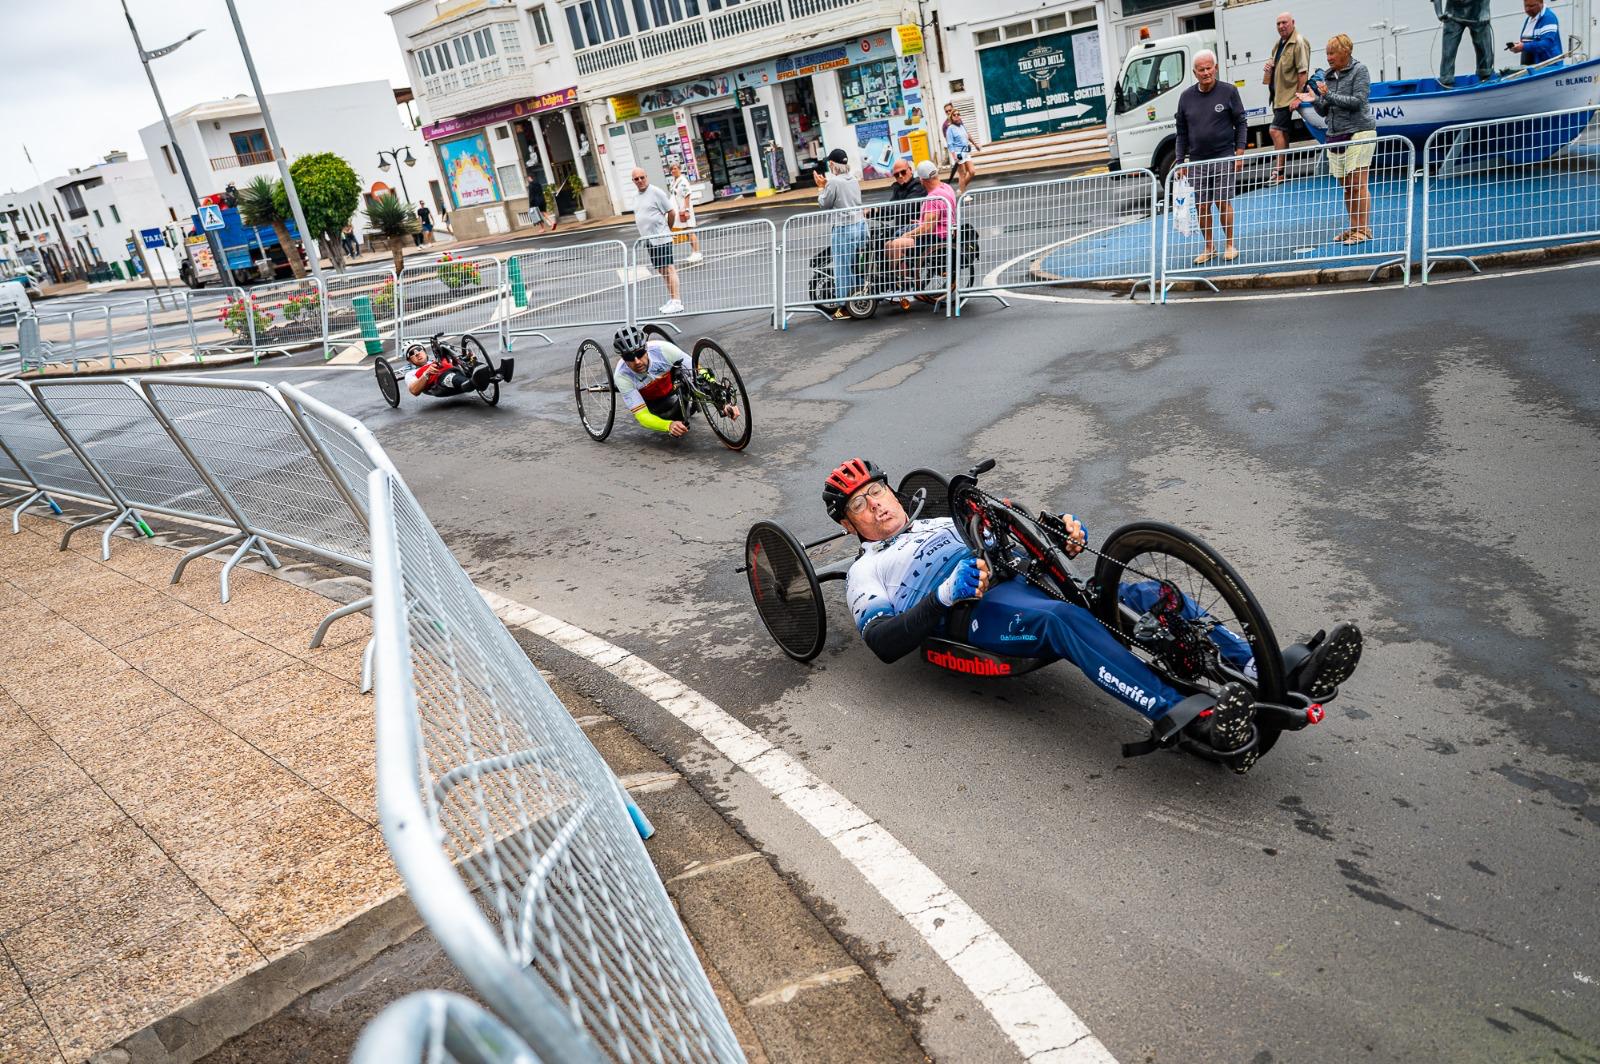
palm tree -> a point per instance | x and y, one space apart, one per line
394 221
258 206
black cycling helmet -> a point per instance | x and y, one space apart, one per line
851 476
629 341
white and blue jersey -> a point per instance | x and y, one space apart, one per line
895 574
654 385
1541 37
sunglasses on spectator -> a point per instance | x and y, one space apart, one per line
901 173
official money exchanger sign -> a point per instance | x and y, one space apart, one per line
1044 84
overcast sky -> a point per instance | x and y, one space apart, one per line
72 89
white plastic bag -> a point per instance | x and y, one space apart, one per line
1185 219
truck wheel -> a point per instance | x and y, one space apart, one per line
1166 159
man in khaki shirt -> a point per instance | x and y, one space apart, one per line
1286 71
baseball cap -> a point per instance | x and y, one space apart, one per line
839 155
926 169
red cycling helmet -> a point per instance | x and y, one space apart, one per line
850 477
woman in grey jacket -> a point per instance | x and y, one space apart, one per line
842 192
1352 133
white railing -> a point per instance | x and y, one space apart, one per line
696 32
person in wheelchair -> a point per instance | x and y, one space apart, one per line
646 378
916 579
435 372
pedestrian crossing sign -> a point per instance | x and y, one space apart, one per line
211 217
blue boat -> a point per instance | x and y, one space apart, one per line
1414 109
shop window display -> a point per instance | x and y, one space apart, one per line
871 91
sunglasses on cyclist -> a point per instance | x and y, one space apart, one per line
875 492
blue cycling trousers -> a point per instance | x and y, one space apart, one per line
1234 648
1018 619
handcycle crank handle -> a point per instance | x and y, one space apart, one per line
981 468
806 546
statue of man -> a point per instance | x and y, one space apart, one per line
1459 15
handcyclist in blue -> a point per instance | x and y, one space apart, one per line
910 573
645 377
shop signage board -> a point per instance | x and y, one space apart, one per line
503 113
469 171
1042 85
907 40
623 107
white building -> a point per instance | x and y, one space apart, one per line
85 218
497 92
225 142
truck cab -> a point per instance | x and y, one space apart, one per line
1155 72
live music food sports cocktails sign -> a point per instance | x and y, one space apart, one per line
1047 84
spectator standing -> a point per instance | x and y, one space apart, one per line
961 148
348 240
425 216
840 191
1352 133
651 212
1286 72
683 208
1211 136
1459 16
1540 41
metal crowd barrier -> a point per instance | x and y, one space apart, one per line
1514 182
377 287
735 271
450 296
829 256
1098 227
518 846
296 314
567 288
55 464
1298 222
435 1027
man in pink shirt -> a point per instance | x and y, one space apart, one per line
930 237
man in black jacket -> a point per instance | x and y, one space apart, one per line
1212 132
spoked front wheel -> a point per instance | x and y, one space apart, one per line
1183 610
388 384
597 396
474 354
717 385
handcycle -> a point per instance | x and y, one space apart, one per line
468 355
1161 591
876 278
712 386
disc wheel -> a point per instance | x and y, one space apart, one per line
387 383
936 501
1224 614
596 395
472 351
733 432
785 590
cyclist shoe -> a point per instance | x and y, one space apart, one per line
1318 666
482 377
506 366
1232 722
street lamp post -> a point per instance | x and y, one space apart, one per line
172 137
276 145
394 153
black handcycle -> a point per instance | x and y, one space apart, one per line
467 356
711 386
1163 592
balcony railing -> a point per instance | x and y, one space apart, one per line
249 158
696 32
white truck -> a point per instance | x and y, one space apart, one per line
1394 38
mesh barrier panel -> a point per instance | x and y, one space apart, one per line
832 255
344 441
10 472
1302 221
1092 228
113 425
733 270
218 319
530 816
38 446
293 313
450 296
1505 184
249 442
435 1027
585 284
344 288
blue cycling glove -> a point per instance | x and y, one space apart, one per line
961 583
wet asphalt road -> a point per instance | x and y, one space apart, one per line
1415 879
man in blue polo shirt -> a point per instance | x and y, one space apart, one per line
1541 34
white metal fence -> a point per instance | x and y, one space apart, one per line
1098 227
435 1027
295 314
568 287
516 842
732 271
834 256
1344 204
1510 183
450 296
376 290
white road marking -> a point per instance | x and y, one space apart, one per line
1040 1025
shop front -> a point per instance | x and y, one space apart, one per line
769 124
493 159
